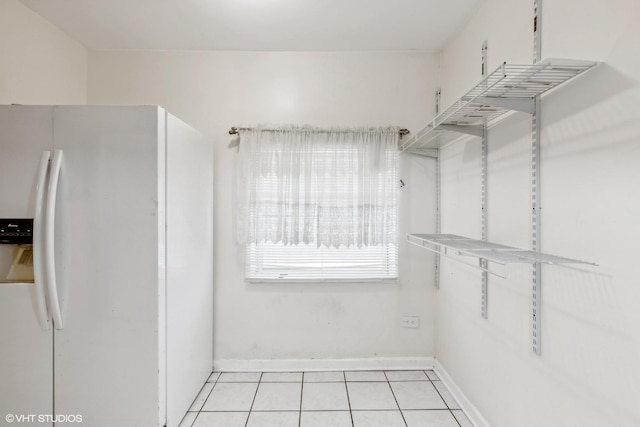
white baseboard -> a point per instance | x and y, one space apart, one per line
465 404
292 365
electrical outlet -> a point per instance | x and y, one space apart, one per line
410 322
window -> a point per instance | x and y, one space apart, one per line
318 205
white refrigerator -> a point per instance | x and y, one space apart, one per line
106 318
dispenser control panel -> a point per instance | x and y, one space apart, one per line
16 231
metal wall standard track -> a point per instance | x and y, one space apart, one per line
485 154
536 293
438 223
438 196
483 262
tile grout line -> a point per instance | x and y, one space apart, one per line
344 375
194 401
443 399
428 377
391 410
260 410
205 400
254 400
394 398
301 394
215 383
456 418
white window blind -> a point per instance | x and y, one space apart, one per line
302 262
318 205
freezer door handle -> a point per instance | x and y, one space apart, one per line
38 258
49 240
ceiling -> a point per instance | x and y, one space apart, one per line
258 25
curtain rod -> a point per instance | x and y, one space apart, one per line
236 131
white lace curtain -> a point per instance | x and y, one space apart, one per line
325 187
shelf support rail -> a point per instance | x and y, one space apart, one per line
474 130
438 222
438 252
438 194
525 105
485 154
536 271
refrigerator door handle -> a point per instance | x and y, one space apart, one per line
49 240
38 241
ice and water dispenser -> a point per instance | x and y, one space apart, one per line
16 250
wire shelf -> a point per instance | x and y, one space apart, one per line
510 87
493 252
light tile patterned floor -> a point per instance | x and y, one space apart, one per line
325 399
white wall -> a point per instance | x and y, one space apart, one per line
588 374
216 90
40 64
